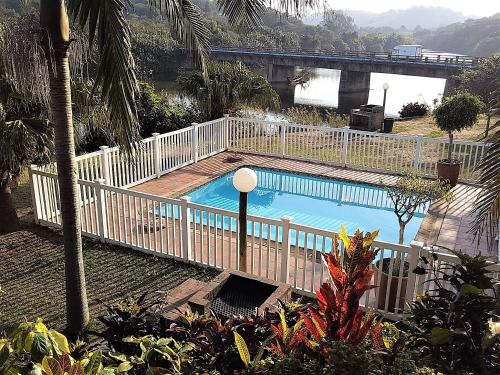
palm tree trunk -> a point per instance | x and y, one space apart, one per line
8 218
54 19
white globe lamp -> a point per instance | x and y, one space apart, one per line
244 180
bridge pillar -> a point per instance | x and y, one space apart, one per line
354 90
450 86
279 73
277 76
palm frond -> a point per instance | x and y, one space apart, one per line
187 22
115 80
22 142
247 12
487 205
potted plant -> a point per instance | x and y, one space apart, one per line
385 279
455 113
408 194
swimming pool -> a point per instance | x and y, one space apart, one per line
314 201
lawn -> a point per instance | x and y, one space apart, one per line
427 126
32 272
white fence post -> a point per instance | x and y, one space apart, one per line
105 164
225 131
102 218
34 194
345 141
412 259
186 227
283 139
285 249
194 141
418 149
156 153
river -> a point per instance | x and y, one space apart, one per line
322 90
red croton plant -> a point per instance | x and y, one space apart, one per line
339 316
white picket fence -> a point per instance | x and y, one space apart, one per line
177 228
352 148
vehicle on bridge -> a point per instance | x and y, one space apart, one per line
408 50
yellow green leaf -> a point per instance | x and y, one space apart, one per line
344 237
40 327
124 367
60 340
440 335
28 343
50 366
242 347
470 289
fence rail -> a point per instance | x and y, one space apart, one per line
277 249
352 148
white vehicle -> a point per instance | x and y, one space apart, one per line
408 50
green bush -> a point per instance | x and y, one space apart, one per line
457 113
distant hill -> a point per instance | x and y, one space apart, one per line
479 37
417 16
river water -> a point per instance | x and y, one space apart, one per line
322 90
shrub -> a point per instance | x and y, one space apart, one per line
456 113
452 323
413 110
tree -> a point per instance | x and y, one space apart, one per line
487 205
22 142
410 193
228 87
484 81
106 24
457 112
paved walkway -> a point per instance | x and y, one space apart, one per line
446 224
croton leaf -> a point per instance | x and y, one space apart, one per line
440 336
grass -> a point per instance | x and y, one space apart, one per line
32 272
427 126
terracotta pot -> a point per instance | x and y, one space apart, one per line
449 171
381 290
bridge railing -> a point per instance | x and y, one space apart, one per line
434 58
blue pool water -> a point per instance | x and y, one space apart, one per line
318 202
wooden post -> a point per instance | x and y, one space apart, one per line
194 141
283 139
242 218
102 218
156 153
418 150
285 249
226 133
345 141
34 194
186 228
105 164
412 259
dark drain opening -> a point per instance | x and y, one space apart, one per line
240 296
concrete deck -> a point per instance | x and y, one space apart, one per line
446 224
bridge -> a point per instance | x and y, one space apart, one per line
355 66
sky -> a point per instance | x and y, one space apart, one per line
479 8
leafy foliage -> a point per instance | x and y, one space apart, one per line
411 192
451 323
339 317
413 110
229 87
456 113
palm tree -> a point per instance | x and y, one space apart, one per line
105 22
22 142
228 86
487 205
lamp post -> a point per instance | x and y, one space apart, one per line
385 86
244 180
